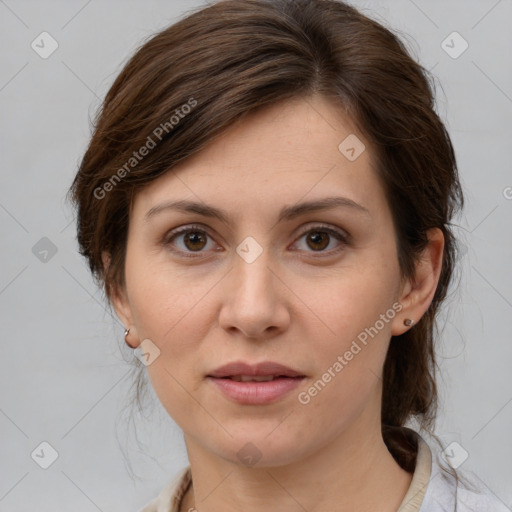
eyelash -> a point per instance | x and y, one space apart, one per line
340 236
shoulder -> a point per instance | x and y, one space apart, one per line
436 486
445 493
460 491
170 496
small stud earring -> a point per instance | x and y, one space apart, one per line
126 332
408 322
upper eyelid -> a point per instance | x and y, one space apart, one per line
308 225
301 231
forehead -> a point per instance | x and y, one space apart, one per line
281 154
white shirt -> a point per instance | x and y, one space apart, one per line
432 489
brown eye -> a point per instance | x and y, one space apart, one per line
194 240
320 237
191 240
319 240
188 240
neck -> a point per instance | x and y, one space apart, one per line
350 473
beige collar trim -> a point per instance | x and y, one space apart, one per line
414 497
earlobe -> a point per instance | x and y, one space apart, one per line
418 292
128 335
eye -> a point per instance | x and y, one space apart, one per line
319 237
195 239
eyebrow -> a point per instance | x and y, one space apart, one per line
287 213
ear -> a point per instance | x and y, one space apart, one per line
119 299
417 293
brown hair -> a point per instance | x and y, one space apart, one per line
235 56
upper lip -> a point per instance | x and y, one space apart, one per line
257 370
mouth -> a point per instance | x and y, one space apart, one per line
259 384
251 378
255 392
267 370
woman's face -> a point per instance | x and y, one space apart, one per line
304 290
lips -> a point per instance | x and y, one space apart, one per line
265 371
260 384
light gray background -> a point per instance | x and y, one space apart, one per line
64 378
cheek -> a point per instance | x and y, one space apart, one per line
171 308
174 393
165 297
349 356
351 324
351 299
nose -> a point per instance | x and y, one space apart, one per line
254 299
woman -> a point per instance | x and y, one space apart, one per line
266 199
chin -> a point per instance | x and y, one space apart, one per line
265 448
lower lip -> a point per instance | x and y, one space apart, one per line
256 393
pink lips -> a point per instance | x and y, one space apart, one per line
253 392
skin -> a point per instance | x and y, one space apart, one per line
301 303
